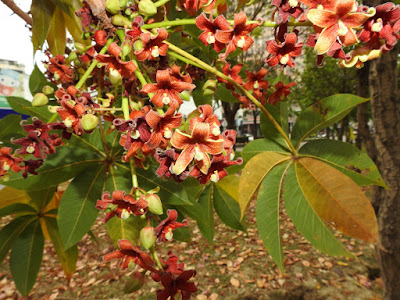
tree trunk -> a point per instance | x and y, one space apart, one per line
386 116
230 110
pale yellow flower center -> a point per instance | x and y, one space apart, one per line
210 38
30 149
169 235
377 27
293 3
6 166
198 155
342 29
256 85
214 177
125 214
155 52
215 130
241 42
168 133
67 122
166 99
284 59
135 135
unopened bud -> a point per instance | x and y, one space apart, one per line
185 95
209 87
47 90
147 237
113 6
40 99
134 283
119 20
123 3
147 8
80 47
89 122
154 204
126 48
115 77
72 56
138 45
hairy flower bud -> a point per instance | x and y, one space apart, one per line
185 95
154 204
113 6
40 99
138 45
47 90
147 237
119 20
89 122
209 87
147 8
126 48
115 77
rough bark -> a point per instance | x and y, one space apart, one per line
230 110
386 116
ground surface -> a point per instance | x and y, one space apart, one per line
237 266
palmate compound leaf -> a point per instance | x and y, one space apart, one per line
77 211
306 220
346 158
26 257
267 212
337 199
254 172
322 114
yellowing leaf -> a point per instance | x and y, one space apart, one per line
230 185
254 172
9 195
337 199
56 37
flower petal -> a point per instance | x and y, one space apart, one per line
326 39
184 159
322 18
180 140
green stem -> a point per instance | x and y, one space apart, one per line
92 66
184 59
53 118
135 182
193 22
102 136
161 3
125 107
155 256
214 71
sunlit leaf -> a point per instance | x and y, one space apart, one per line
322 114
129 229
23 106
337 199
230 184
254 172
26 257
42 12
9 195
56 37
280 113
306 219
37 81
78 211
261 145
17 208
346 158
267 212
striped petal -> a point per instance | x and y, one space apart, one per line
322 18
180 140
326 39
184 159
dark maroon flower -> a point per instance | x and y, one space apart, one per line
283 52
177 284
167 159
166 91
32 144
210 27
31 165
129 254
58 71
153 46
287 8
9 161
238 36
281 90
125 205
164 230
134 33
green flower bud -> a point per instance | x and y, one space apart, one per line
126 49
40 99
138 45
72 56
185 95
89 122
147 8
209 87
128 12
154 204
47 90
80 47
115 77
134 283
113 6
123 3
147 237
119 20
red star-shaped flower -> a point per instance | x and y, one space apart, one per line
153 46
210 27
9 161
164 230
283 53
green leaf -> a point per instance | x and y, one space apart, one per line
42 197
267 212
17 208
254 172
337 199
37 81
67 258
203 212
306 219
182 234
280 113
118 179
322 114
346 158
10 232
261 145
23 106
198 97
63 5
129 229
56 37
26 257
225 94
227 208
9 125
42 12
77 211
66 163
